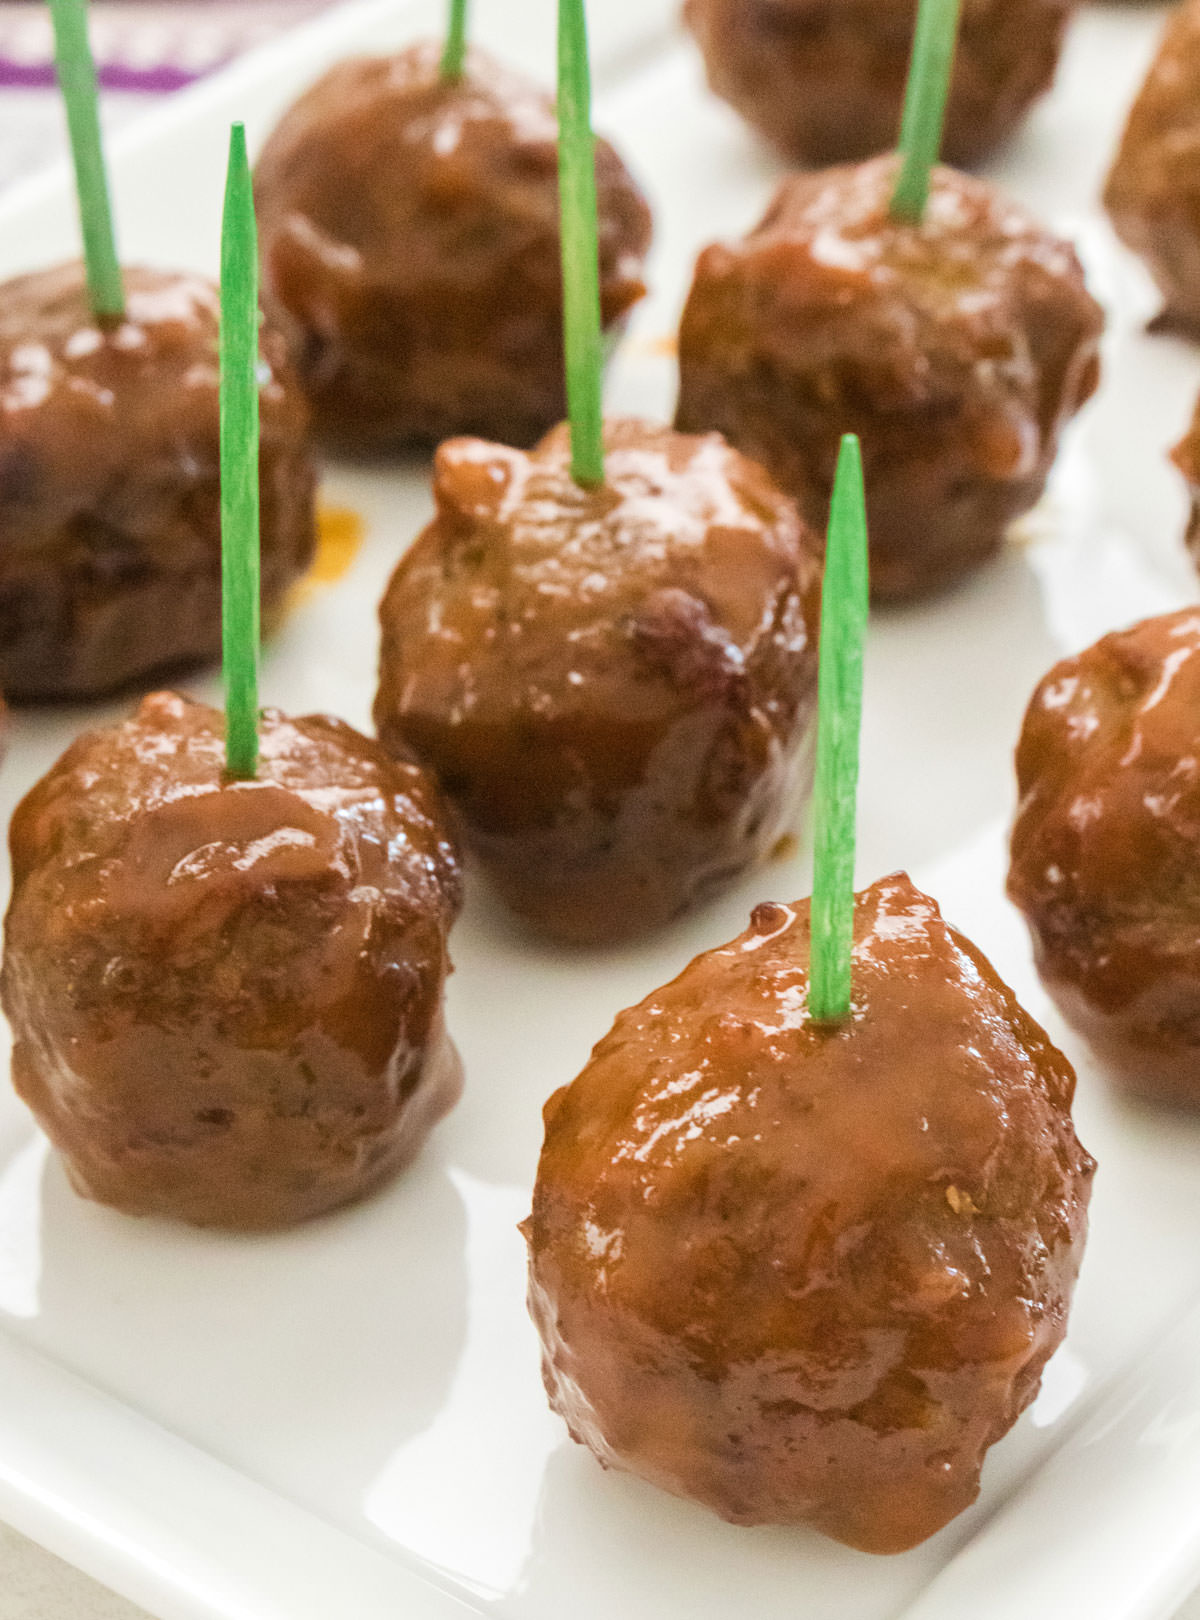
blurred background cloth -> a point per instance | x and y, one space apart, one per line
145 49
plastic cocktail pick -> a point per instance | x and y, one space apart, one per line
839 723
454 57
580 247
77 80
925 105
239 463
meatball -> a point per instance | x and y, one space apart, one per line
110 504
806 1274
410 239
615 686
226 996
824 79
956 348
1106 849
1153 191
1186 457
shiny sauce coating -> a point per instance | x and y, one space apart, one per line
110 533
806 1274
226 997
1153 191
410 243
615 686
956 348
1186 457
824 79
1106 849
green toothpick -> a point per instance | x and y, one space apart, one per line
239 463
454 57
77 80
925 105
839 722
580 247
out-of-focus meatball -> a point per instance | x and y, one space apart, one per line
226 997
824 79
614 686
1153 191
956 348
110 506
410 240
1186 456
1106 849
806 1274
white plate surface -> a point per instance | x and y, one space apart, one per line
348 1420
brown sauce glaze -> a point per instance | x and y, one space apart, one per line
957 349
110 529
410 244
1106 849
616 686
824 79
226 997
1153 190
1186 457
808 1275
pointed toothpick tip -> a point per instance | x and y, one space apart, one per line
844 608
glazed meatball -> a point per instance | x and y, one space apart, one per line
410 244
824 79
615 686
226 996
1153 191
956 348
110 505
807 1274
1106 849
1186 457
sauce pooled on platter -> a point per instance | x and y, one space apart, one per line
956 348
110 528
825 79
226 996
410 242
615 687
808 1274
1106 849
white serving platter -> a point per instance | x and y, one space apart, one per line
348 1421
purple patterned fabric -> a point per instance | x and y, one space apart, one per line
144 49
157 80
152 46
